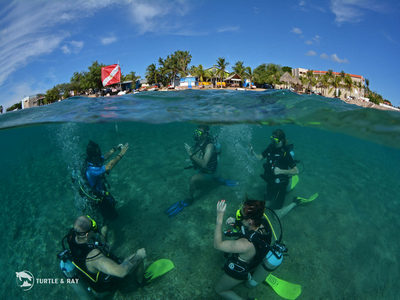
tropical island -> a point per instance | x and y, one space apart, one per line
174 73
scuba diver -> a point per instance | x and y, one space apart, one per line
252 255
204 158
94 185
87 257
278 169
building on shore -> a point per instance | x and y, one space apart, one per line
32 101
188 81
354 90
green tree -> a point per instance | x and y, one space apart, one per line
52 95
348 82
93 77
131 76
199 72
239 69
222 64
249 74
183 59
152 74
287 69
15 106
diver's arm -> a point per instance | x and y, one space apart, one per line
258 156
203 162
117 158
290 172
109 153
108 266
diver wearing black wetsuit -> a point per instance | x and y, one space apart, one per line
278 168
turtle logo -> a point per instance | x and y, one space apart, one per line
25 280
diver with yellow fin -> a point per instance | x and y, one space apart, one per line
280 173
254 254
86 256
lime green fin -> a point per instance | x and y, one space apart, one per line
301 200
283 288
294 182
158 268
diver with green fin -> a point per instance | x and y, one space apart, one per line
254 254
86 256
204 157
280 173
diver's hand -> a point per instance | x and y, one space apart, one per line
230 221
124 148
278 171
221 207
141 253
188 149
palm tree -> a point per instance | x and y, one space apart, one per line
324 81
152 74
336 83
249 75
239 69
348 82
183 59
222 64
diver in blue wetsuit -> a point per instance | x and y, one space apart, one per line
95 169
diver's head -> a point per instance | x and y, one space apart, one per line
253 210
93 153
83 226
278 138
201 132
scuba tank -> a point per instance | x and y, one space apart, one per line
66 265
272 260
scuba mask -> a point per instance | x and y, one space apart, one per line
197 134
93 227
275 139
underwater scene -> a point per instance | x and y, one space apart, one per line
342 240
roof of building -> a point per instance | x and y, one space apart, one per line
336 73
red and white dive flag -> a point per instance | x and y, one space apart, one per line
110 74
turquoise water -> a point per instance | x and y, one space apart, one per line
343 245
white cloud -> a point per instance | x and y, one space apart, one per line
150 15
352 11
335 58
228 29
72 47
308 42
324 56
311 53
108 40
296 30
302 3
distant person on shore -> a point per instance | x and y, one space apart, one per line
93 262
94 172
278 168
245 253
204 157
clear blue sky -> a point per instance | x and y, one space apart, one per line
42 43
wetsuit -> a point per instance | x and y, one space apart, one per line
212 164
261 239
96 181
99 281
277 184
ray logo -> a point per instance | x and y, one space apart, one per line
25 280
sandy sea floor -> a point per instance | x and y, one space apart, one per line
344 245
